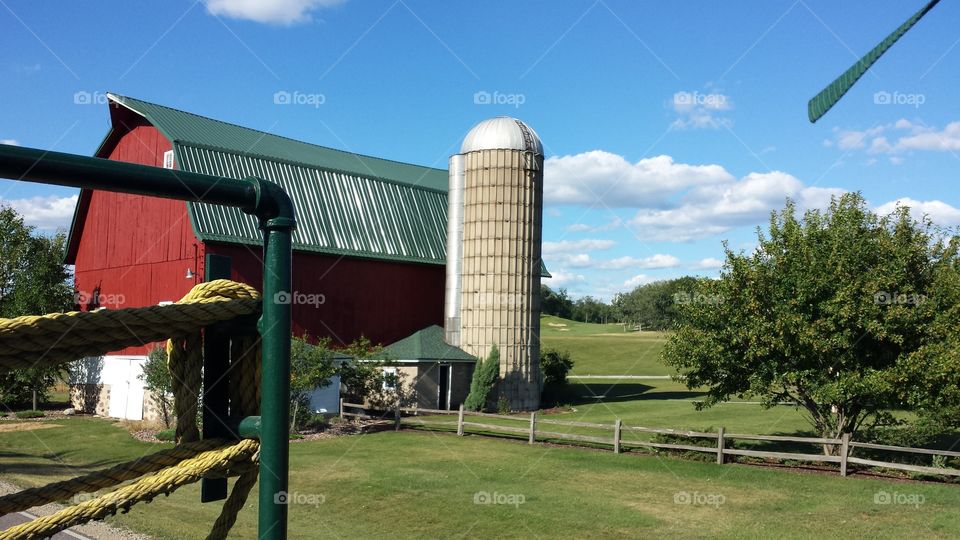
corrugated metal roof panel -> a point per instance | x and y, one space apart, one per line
337 212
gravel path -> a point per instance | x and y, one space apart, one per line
95 530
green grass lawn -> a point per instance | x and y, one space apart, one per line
417 484
605 349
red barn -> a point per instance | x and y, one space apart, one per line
368 250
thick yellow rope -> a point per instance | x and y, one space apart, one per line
84 334
89 483
47 340
145 489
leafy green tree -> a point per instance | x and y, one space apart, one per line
591 310
33 281
837 312
157 379
556 303
485 377
311 367
653 306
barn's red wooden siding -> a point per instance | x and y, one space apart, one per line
382 300
136 249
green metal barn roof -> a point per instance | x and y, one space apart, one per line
347 204
427 344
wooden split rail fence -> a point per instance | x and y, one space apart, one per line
533 429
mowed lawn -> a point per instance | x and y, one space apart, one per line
605 349
416 484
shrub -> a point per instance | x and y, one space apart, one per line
157 378
484 378
30 414
311 366
165 435
554 365
503 405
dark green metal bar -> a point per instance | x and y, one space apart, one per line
216 380
275 379
33 165
254 196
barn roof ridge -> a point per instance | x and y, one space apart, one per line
186 127
296 163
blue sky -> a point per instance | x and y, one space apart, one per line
668 127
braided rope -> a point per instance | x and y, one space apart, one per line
26 341
61 491
95 333
145 489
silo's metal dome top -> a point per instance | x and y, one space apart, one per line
502 133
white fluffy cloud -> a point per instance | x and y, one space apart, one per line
572 246
562 278
268 11
696 110
614 223
637 280
12 142
607 179
939 212
658 260
900 136
572 260
709 210
708 264
45 213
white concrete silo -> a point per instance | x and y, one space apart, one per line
493 279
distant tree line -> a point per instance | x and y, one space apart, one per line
651 307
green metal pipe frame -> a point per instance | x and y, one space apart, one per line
274 210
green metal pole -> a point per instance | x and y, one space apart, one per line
277 223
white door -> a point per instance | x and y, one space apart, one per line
126 389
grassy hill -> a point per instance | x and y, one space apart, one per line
605 349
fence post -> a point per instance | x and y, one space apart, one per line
460 421
616 435
396 416
533 428
844 450
341 408
720 443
